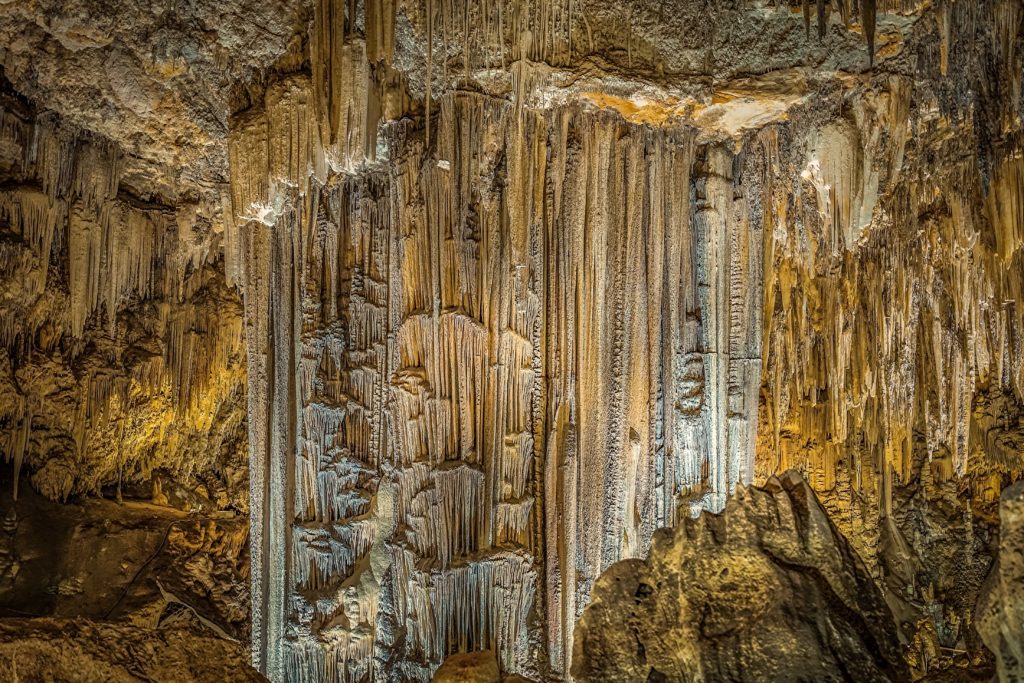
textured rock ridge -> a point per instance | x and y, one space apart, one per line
81 651
767 589
1001 605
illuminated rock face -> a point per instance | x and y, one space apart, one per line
489 355
510 353
1001 606
492 291
766 590
121 345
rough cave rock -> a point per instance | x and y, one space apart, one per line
766 590
351 337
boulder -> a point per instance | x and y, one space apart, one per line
767 590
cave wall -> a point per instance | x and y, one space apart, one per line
513 341
124 541
517 283
122 346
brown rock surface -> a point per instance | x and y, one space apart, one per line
766 590
154 78
81 651
133 562
1001 605
469 667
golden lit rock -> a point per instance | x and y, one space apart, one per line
454 305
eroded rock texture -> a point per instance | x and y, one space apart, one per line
1001 606
518 283
80 651
122 375
101 591
159 80
768 590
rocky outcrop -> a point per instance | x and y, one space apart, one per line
133 563
469 667
100 591
82 651
1001 605
766 590
160 82
474 667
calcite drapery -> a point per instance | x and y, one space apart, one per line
488 365
522 349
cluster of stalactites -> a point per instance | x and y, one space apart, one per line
309 124
489 353
864 11
886 312
83 252
1006 17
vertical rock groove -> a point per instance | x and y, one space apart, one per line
532 316
546 322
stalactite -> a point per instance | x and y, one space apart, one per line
341 79
18 439
465 278
880 334
1005 204
113 344
380 31
537 332
867 24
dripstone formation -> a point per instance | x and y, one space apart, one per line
455 305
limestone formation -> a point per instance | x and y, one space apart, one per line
120 343
766 590
457 303
81 651
559 298
471 667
